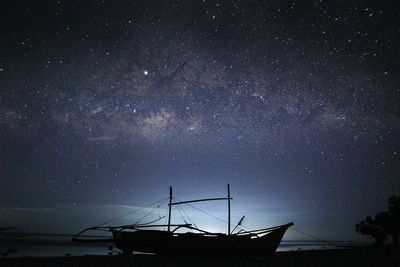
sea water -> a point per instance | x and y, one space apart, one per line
63 246
317 245
51 247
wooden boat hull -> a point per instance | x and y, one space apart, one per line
163 242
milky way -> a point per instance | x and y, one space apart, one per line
102 100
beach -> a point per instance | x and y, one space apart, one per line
363 256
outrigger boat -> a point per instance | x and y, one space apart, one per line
142 238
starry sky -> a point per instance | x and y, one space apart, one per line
104 104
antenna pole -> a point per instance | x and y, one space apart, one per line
229 211
169 213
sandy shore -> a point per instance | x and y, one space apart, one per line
367 256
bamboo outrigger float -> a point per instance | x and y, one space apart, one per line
141 238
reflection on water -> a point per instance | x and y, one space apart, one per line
317 245
54 246
63 246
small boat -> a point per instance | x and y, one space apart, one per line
147 238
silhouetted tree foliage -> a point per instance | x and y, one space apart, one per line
370 226
394 211
383 223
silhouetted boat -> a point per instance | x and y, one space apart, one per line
142 238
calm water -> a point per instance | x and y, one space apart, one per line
52 246
61 246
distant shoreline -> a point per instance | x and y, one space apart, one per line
361 256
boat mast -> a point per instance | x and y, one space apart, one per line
229 211
200 200
169 213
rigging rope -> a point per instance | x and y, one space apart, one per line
188 216
165 222
150 212
131 212
309 235
209 214
183 218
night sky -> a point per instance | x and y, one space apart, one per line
104 104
